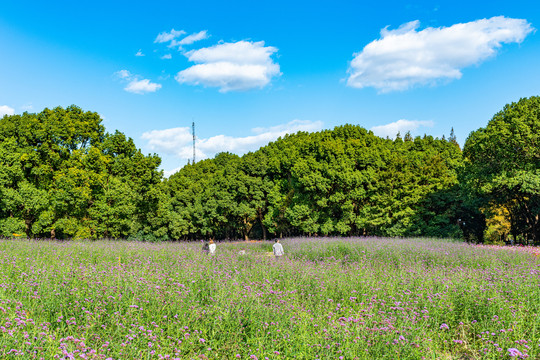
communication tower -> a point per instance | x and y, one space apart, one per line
193 130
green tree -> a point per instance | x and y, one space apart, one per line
503 164
62 176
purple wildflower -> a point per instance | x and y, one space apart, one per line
514 352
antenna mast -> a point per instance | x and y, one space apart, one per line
193 128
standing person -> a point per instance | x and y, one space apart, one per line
205 247
278 249
212 247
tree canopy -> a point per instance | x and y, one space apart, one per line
344 181
503 165
63 176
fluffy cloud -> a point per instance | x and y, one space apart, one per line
167 173
241 65
401 126
190 39
123 74
139 53
142 86
6 110
168 140
169 36
179 141
406 57
166 57
135 84
172 36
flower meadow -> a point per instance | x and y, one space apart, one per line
357 298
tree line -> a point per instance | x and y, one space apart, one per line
63 176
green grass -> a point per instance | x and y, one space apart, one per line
327 298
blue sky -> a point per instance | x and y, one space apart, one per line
247 72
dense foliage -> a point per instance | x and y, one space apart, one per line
503 166
345 181
63 176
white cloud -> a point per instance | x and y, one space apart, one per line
123 74
172 38
139 53
168 140
175 44
169 36
179 141
406 57
401 126
190 39
241 65
6 110
167 173
166 57
142 86
135 84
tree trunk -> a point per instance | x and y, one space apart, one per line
536 231
247 228
28 226
262 225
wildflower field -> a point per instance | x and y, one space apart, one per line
361 298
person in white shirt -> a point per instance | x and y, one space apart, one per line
212 247
278 249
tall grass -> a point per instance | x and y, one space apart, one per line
326 299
